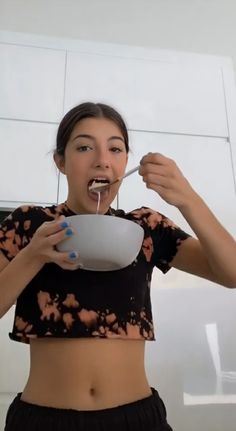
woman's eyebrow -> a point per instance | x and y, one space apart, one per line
116 137
85 135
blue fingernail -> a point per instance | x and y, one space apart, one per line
73 255
69 232
64 224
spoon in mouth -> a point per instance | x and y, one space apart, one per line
98 187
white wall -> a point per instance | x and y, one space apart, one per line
203 26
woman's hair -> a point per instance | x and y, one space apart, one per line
87 110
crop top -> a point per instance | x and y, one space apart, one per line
82 303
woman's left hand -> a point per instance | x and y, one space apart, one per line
162 175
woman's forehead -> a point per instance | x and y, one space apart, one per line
96 127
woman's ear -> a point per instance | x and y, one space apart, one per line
60 162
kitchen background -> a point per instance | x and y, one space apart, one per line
167 66
3 214
203 26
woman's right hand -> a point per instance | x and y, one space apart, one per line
42 246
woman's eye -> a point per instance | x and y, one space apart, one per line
116 150
83 148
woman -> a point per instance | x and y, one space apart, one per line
86 329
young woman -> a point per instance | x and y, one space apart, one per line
87 329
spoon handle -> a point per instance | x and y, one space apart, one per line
126 175
101 187
130 172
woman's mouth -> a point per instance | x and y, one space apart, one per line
96 185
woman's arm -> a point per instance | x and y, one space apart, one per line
15 276
213 254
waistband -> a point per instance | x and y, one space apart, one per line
146 413
153 398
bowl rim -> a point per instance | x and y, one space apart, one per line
110 217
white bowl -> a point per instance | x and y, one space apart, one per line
104 243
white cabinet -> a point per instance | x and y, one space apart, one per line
31 83
63 188
152 95
39 84
28 173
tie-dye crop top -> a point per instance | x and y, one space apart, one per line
80 303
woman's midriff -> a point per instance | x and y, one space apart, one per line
86 374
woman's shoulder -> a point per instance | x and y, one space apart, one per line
149 217
50 211
17 229
29 217
142 213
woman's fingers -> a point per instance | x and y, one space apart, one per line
55 231
51 227
45 240
57 237
157 179
155 158
66 260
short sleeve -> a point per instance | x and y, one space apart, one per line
167 237
162 237
13 232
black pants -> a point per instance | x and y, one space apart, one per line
147 414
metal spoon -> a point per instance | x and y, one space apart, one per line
99 187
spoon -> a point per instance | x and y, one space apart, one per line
100 186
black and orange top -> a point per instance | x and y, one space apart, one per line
81 303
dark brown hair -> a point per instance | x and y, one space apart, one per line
87 110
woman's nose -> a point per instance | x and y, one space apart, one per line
102 165
102 160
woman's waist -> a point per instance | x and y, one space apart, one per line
87 395
86 352
86 375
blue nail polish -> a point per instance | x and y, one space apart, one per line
69 232
73 255
64 224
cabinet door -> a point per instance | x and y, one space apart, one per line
28 173
155 96
31 83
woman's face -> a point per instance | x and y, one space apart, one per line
95 150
